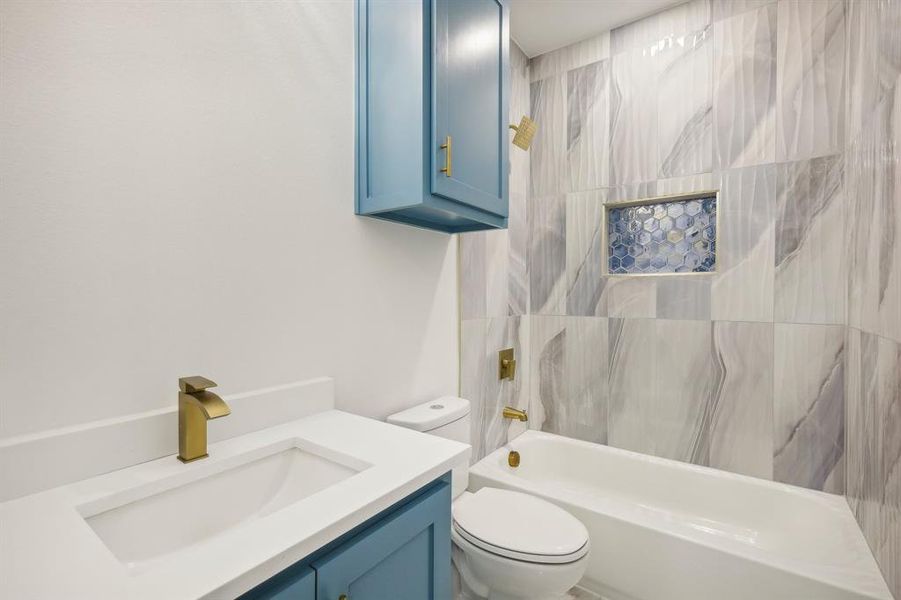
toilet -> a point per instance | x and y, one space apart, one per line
507 545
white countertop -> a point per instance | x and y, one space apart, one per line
48 551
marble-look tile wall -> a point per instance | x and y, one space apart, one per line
873 240
494 293
785 363
740 370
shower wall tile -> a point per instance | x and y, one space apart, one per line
631 416
695 368
888 548
547 385
810 91
865 182
874 188
687 183
740 411
571 57
683 384
632 191
493 268
589 290
547 255
642 33
684 297
584 239
873 365
885 179
655 29
861 447
664 424
809 406
569 376
548 149
810 276
518 257
723 9
742 289
684 18
497 280
633 297
584 414
685 104
519 105
873 61
630 296
519 191
588 126
633 116
480 341
874 447
744 90
493 264
705 406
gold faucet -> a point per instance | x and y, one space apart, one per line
515 413
195 407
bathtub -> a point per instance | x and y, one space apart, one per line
665 530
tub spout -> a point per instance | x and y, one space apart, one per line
515 413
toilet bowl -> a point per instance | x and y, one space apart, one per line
506 545
513 546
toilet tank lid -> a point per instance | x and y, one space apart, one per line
433 414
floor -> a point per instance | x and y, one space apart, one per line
576 593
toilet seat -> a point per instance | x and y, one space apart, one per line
519 526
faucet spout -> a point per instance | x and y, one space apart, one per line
195 407
211 405
515 413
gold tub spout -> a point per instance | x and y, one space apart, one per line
515 413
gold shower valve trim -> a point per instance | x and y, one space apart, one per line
506 364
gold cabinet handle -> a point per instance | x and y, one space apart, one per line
342 597
447 145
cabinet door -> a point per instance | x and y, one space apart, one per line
470 58
292 584
406 556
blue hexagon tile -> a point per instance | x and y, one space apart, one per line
677 236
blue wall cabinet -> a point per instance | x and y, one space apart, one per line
432 93
404 553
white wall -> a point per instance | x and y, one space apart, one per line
177 199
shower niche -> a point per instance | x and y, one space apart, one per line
664 235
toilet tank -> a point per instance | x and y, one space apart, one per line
446 417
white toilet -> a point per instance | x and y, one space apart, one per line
507 545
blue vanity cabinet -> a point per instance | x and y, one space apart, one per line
404 553
432 95
295 584
405 556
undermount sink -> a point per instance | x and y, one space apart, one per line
138 530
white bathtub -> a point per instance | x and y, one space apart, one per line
665 530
